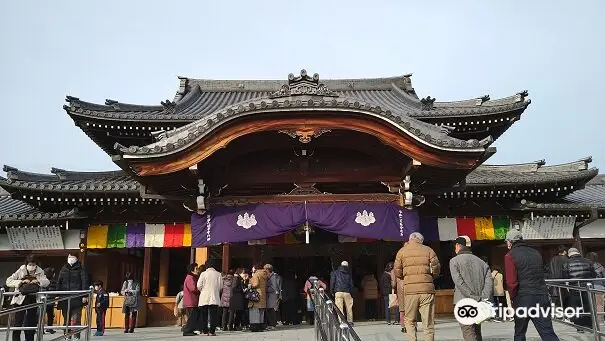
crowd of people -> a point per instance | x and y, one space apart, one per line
242 300
31 279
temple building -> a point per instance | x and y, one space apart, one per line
302 173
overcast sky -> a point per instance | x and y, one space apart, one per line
132 51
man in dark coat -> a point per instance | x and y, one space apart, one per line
555 271
526 285
73 277
341 286
578 267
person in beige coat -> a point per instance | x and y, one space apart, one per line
209 284
369 284
258 282
499 294
417 265
28 274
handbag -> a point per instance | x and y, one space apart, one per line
29 288
252 295
393 302
130 300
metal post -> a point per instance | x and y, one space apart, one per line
345 333
1 298
40 330
593 314
89 314
329 316
67 317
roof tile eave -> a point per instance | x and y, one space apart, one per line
181 138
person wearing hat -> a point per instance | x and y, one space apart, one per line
526 285
578 267
341 286
472 279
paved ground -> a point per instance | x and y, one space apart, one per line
447 329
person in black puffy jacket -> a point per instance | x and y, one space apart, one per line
578 267
73 277
554 270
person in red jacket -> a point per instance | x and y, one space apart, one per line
191 297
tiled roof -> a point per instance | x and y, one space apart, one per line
531 173
16 210
198 98
68 181
181 138
593 194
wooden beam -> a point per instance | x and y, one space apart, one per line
225 262
243 200
222 136
344 175
164 270
146 271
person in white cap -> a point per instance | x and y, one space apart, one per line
418 266
578 267
472 279
341 286
526 286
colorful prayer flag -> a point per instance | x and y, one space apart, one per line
447 229
154 235
97 237
466 227
484 228
187 235
135 235
116 236
173 235
501 226
429 228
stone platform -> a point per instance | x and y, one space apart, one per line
446 329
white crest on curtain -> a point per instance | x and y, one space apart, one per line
246 221
364 218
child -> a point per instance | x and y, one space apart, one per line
179 311
101 305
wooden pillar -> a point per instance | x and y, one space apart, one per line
146 271
225 264
256 255
201 255
164 270
192 255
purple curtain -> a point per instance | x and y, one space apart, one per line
231 224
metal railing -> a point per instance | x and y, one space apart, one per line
585 291
330 323
43 299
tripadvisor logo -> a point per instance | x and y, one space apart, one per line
468 311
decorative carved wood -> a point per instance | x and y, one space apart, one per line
305 135
245 200
404 143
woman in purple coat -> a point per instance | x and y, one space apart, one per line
191 297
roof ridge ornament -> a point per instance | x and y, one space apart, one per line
113 103
169 106
303 85
427 103
481 100
520 96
